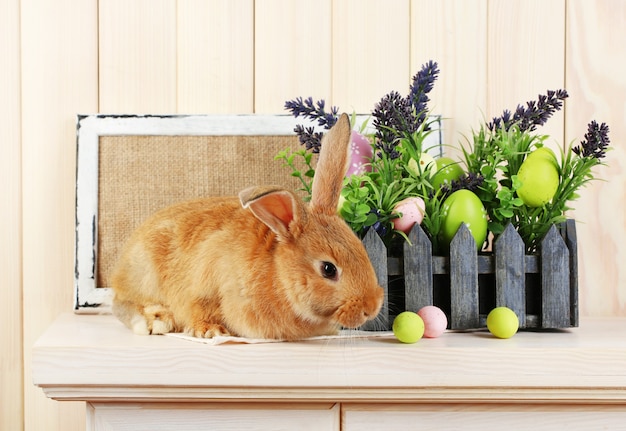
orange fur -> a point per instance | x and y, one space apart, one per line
250 266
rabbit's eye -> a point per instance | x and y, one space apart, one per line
329 270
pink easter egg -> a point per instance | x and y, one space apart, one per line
435 321
412 210
361 154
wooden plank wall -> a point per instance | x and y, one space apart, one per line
240 56
11 356
596 79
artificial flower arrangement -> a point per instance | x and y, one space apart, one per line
507 174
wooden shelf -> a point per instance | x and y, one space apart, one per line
95 358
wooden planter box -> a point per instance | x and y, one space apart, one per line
541 288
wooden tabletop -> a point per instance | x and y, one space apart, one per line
94 357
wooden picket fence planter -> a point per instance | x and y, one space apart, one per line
541 288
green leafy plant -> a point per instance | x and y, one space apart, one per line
400 167
300 163
497 152
401 125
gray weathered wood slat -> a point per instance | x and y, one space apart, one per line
464 305
486 264
377 252
510 273
555 293
572 245
546 282
418 277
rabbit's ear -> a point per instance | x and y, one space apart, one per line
279 209
331 167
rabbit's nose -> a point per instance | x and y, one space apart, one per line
373 305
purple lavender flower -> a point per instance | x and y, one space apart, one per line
308 137
423 83
470 181
596 141
314 111
392 116
396 116
536 113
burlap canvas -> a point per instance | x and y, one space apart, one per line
139 175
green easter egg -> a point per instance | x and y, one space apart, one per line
408 327
502 322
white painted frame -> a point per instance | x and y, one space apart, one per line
91 299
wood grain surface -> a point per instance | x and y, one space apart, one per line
585 363
169 56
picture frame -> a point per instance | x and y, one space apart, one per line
93 133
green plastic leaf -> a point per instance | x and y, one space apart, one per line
507 213
371 219
359 218
362 209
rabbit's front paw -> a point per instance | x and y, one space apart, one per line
206 330
139 325
159 319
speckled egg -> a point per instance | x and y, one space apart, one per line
539 176
412 212
425 165
447 171
361 154
460 207
435 321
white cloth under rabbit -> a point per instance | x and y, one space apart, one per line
228 339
